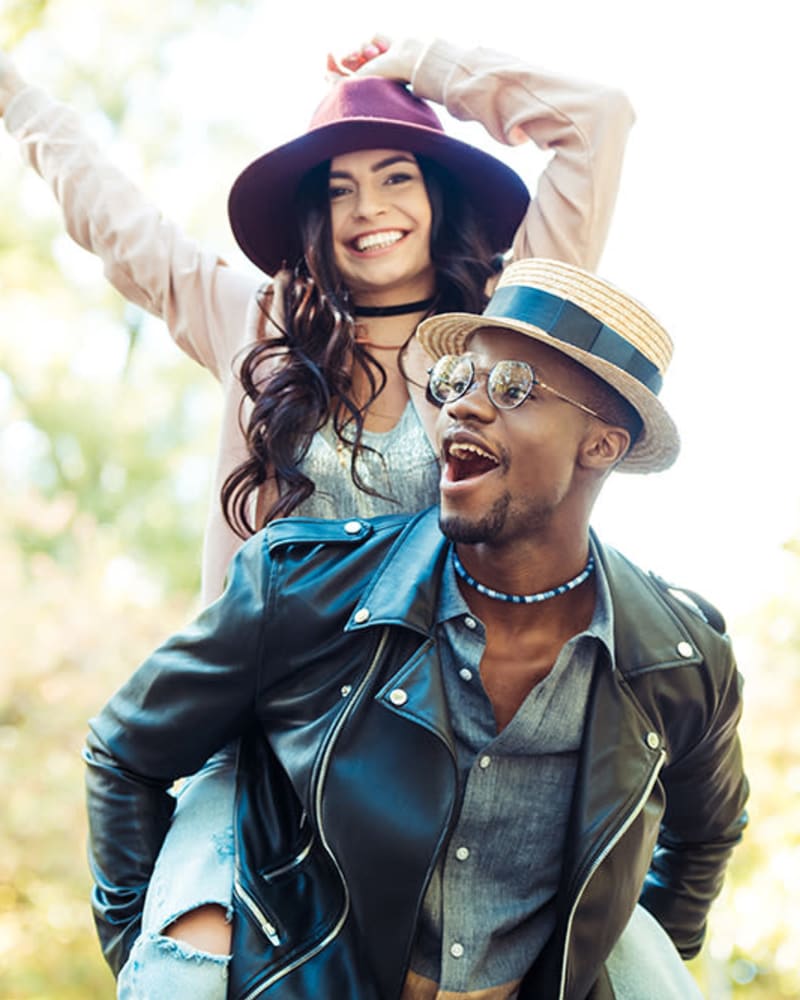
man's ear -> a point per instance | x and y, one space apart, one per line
604 446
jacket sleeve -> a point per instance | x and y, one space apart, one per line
145 256
706 790
191 697
584 126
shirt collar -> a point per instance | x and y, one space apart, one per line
602 623
451 600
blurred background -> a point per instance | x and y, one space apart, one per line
107 431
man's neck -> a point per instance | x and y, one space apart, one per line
523 640
536 569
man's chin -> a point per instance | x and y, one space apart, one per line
477 530
461 531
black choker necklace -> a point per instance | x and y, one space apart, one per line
406 307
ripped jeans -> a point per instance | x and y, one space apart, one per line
194 867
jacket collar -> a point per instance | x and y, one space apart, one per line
404 591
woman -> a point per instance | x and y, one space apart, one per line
336 417
213 312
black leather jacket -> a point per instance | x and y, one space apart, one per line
321 656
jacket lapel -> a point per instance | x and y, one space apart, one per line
405 589
617 795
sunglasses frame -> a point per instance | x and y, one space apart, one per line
535 381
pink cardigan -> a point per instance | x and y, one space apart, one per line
211 310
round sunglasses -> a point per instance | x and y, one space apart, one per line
508 383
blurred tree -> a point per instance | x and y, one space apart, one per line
106 433
77 630
93 447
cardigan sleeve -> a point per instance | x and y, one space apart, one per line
583 125
145 255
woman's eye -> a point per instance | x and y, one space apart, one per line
398 178
338 192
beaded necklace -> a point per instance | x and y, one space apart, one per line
543 595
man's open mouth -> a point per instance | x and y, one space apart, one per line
466 460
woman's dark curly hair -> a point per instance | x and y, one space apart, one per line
318 350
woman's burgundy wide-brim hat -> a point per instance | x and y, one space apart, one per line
358 113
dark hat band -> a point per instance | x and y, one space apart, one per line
575 326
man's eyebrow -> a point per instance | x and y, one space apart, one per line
380 165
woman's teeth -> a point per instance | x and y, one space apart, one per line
377 241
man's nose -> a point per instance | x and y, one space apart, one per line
473 403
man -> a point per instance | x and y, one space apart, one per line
469 751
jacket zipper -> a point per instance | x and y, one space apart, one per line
599 860
269 930
432 866
324 762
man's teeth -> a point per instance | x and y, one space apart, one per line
377 241
462 452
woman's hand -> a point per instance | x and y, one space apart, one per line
11 83
380 57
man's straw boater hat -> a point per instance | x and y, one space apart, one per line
358 113
592 322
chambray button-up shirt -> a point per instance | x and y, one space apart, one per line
489 908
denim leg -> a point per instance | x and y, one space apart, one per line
194 868
160 968
645 964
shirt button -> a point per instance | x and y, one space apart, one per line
470 622
653 741
462 853
485 761
686 649
345 690
361 616
456 949
465 674
352 527
398 697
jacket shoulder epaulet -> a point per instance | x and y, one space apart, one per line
697 604
315 531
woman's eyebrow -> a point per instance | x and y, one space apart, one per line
380 165
390 160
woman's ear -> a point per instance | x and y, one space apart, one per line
604 446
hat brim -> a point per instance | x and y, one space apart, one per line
261 203
658 444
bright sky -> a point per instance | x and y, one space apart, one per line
705 231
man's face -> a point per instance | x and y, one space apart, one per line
508 474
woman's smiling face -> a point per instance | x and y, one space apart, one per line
381 226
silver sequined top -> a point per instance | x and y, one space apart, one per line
402 466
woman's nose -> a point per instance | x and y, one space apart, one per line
368 203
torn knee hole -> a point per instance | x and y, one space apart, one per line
207 928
